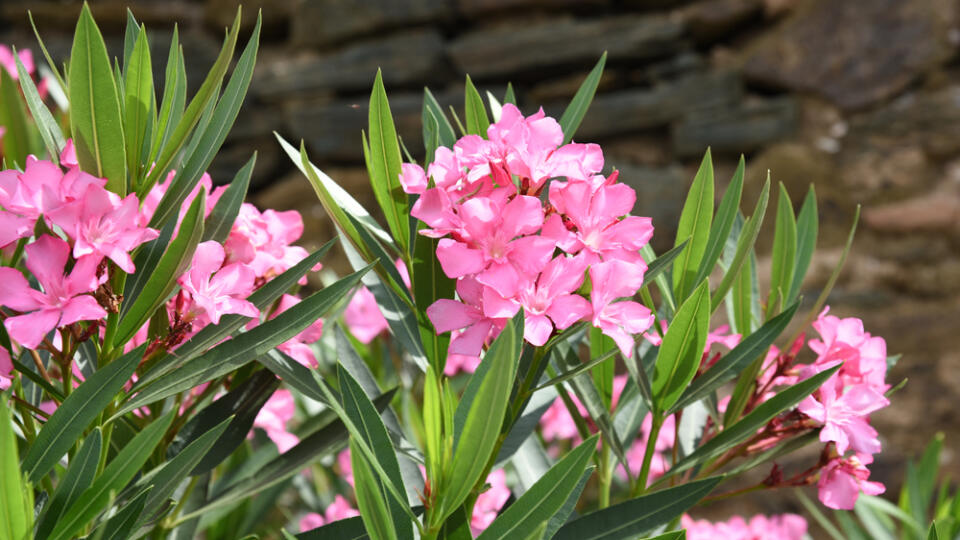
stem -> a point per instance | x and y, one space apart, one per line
733 493
605 472
641 484
40 367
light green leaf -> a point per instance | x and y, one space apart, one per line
446 135
784 251
509 96
807 224
72 417
575 111
49 129
16 495
13 117
139 102
95 121
383 165
476 114
722 223
682 349
748 237
218 224
694 224
370 498
173 102
79 476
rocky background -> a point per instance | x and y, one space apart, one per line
859 97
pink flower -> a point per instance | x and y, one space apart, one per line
273 418
346 466
216 291
42 187
843 414
6 369
311 521
448 315
14 227
864 356
457 363
841 482
760 527
556 424
489 502
363 316
68 156
619 320
101 224
64 299
340 509
549 301
155 195
10 64
412 178
298 347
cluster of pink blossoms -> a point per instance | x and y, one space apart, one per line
507 249
760 527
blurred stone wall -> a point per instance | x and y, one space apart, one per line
859 97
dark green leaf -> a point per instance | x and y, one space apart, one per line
174 99
663 262
79 477
220 221
344 529
748 236
121 525
578 106
13 117
49 129
475 112
446 135
807 224
16 496
430 284
383 165
682 348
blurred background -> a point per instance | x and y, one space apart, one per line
859 97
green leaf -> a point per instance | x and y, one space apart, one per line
752 347
476 114
79 477
207 142
575 111
220 221
722 223
121 525
72 417
638 516
49 129
139 102
784 250
663 262
430 133
545 498
247 346
430 284
117 473
370 499
172 144
694 224
921 480
750 423
344 529
748 237
13 117
16 495
682 348
509 96
130 34
95 121
163 278
364 415
173 102
484 416
383 165
445 133
807 224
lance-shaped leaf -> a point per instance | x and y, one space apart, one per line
16 495
72 417
754 420
784 252
247 346
371 500
639 516
476 114
577 109
430 284
343 529
49 129
220 221
383 165
694 224
807 225
752 347
545 498
364 415
483 418
174 98
79 477
682 348
163 278
121 524
117 473
722 223
95 107
663 262
445 134
748 236
16 139
139 102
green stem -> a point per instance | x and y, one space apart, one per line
641 484
605 472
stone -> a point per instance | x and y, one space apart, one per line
558 42
325 22
111 15
715 19
632 110
564 88
855 53
661 192
930 119
276 14
737 129
938 211
474 8
233 156
408 58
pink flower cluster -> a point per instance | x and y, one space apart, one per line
842 406
507 249
339 509
760 527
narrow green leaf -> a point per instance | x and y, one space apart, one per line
474 111
430 133
753 421
130 34
95 121
784 250
510 96
446 135
638 516
247 346
814 510
72 417
13 117
46 54
139 102
752 347
163 278
383 165
663 262
694 224
117 473
49 129
748 237
722 223
79 476
344 529
16 496
173 102
682 348
370 499
807 225
220 221
545 498
122 524
484 416
430 284
577 109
